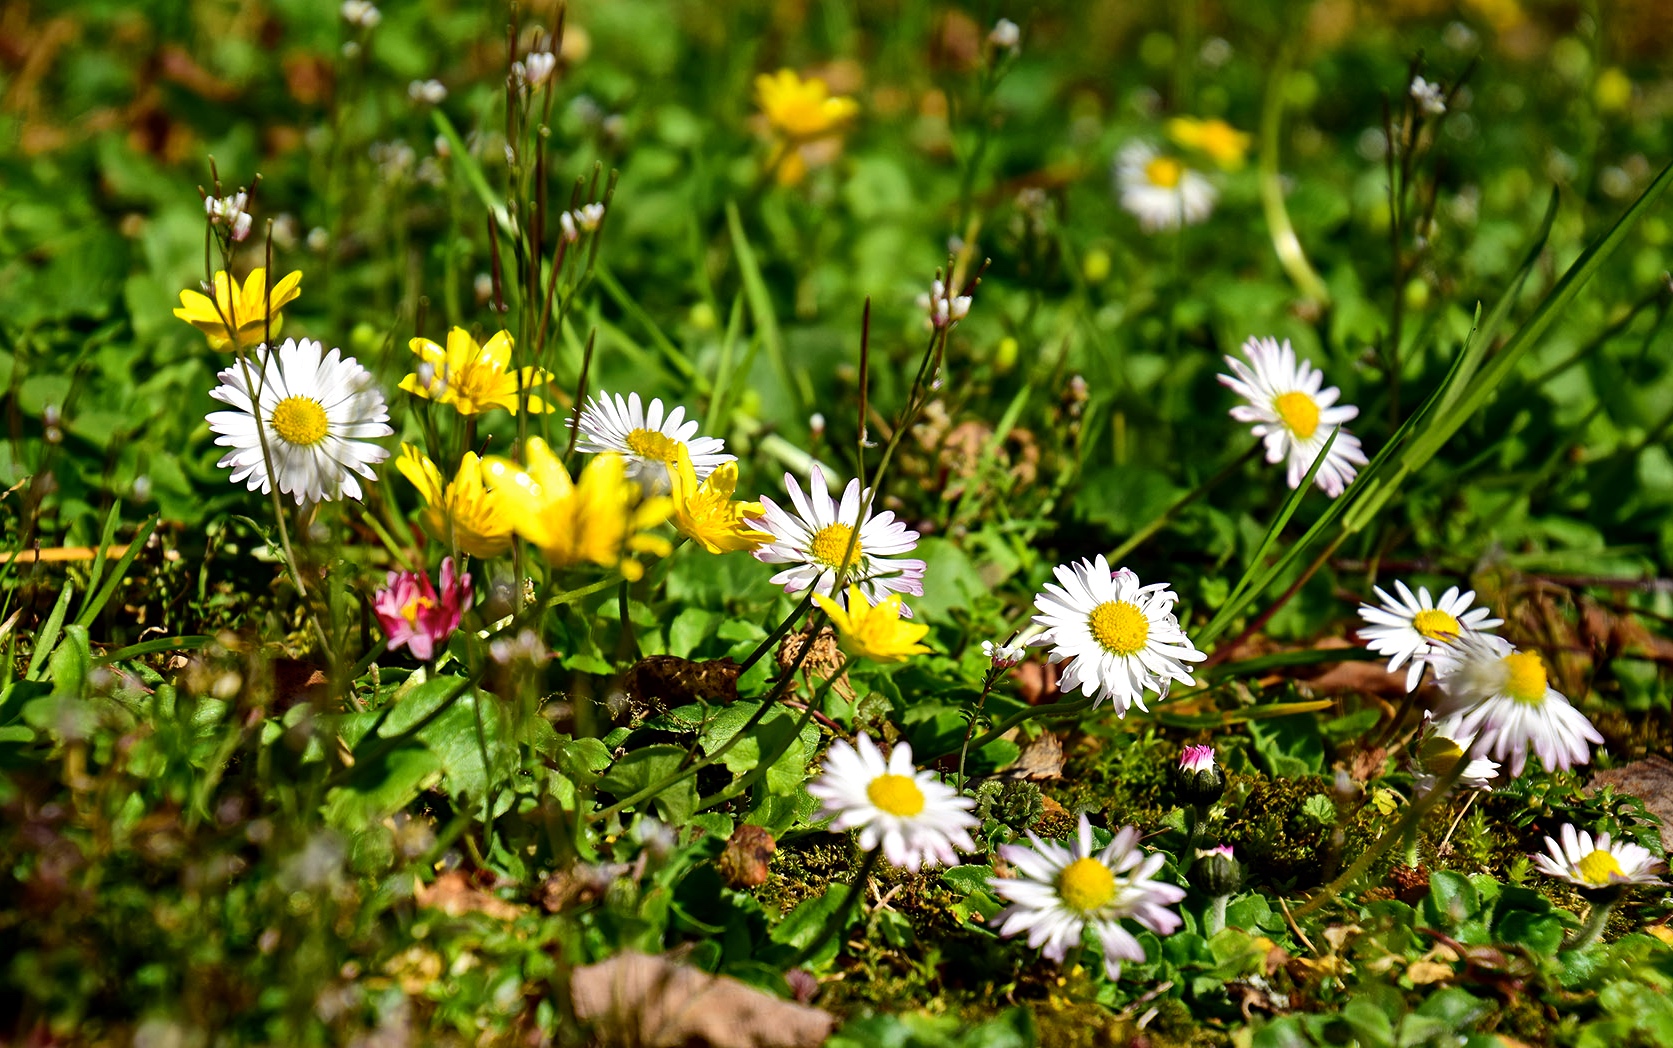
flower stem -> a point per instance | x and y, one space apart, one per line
1056 709
1589 932
1408 825
1215 921
839 920
970 729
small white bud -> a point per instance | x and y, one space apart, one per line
362 13
1005 35
318 239
566 222
1429 97
538 67
431 91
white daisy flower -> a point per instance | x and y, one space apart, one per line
1118 637
813 539
1437 752
1415 627
918 819
1292 414
1502 698
1160 191
648 441
1589 864
319 411
1059 891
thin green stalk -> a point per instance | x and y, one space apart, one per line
1415 813
1054 710
970 728
1166 517
839 920
1589 932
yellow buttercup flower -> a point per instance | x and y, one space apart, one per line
601 519
706 513
873 631
472 378
1216 139
239 312
461 512
808 119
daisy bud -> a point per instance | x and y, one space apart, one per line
318 239
1199 780
1005 35
816 425
538 67
483 286
1216 872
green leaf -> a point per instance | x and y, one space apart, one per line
1452 898
47 638
641 768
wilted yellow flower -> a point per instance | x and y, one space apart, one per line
599 520
472 378
808 119
706 513
243 308
462 511
1218 140
873 631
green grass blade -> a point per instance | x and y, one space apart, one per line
664 345
727 367
47 639
761 311
467 165
105 535
97 604
1240 594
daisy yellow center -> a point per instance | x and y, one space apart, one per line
1164 172
1435 624
831 542
1086 885
1120 627
1599 867
1299 412
300 421
1526 677
649 444
896 794
416 607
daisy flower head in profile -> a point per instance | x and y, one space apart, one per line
1591 865
1503 699
319 412
648 440
1058 892
1411 628
1436 754
821 535
1160 191
1293 415
1117 638
916 818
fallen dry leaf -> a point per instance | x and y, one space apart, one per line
636 1000
453 895
1651 781
748 852
1040 759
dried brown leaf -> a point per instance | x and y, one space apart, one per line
651 1002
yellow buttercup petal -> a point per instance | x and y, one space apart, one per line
873 631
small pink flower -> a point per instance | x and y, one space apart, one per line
1197 758
414 615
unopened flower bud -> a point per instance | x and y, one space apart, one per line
1005 35
748 852
361 13
538 67
1199 779
1217 872
430 91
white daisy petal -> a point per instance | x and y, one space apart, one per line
647 441
318 413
